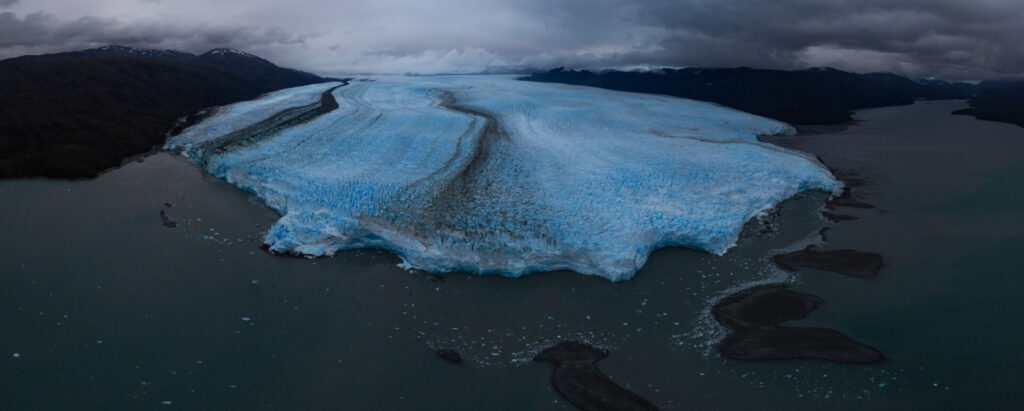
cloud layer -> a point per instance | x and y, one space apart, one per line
941 38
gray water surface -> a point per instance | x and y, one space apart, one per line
103 307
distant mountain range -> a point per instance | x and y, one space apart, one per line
228 59
75 114
813 96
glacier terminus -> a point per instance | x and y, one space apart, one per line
492 175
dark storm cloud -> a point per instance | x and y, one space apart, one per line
963 40
41 32
959 39
5 3
945 38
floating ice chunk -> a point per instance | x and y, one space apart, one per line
492 175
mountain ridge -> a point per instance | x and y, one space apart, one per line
75 114
810 96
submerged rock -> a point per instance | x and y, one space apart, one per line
753 317
846 262
577 378
847 199
451 356
797 342
850 177
838 217
167 221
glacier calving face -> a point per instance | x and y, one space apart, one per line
488 174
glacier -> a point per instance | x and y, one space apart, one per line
223 122
492 175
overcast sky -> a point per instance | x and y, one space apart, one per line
953 39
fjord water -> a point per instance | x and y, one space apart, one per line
103 307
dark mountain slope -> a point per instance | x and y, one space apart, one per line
815 96
248 66
73 115
998 101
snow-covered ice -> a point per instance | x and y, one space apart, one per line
226 119
489 174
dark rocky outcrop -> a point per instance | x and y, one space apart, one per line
577 378
852 263
763 306
754 316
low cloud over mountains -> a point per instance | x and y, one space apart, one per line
950 39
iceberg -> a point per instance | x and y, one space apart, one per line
491 175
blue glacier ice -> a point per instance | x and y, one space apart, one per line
224 120
492 175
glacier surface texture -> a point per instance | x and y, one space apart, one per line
492 175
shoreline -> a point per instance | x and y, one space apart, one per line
766 339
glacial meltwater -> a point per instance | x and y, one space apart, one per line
103 305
